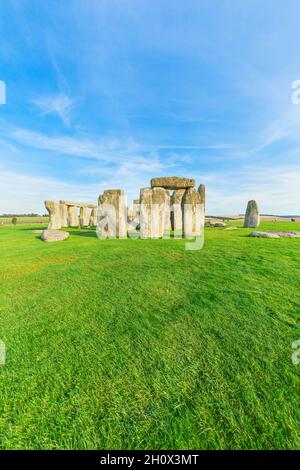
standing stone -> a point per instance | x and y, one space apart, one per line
84 216
112 214
73 219
54 215
252 217
154 213
201 191
63 214
191 208
93 218
145 212
176 211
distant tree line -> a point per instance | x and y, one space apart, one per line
23 215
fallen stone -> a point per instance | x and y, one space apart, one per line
275 234
230 228
172 182
219 224
54 235
37 231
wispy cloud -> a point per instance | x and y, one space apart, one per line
60 105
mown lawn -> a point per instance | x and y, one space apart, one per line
140 344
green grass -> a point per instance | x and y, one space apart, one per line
24 220
139 344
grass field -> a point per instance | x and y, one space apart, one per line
24 220
139 344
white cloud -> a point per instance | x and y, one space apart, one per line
61 105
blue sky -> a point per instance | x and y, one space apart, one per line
106 94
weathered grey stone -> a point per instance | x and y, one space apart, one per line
176 211
37 231
191 208
154 212
252 217
93 218
54 235
84 216
275 234
172 182
63 214
230 228
219 224
73 219
78 204
201 191
112 214
54 214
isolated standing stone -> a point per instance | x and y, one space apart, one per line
112 214
191 213
54 214
73 219
172 182
54 235
252 218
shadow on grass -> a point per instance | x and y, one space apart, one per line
84 233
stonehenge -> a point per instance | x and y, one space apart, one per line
252 217
183 212
170 204
65 214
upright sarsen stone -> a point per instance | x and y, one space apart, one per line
191 213
93 217
53 209
73 219
252 217
63 213
154 213
112 214
176 211
145 212
201 191
84 216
